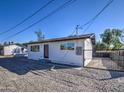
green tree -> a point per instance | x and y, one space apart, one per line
111 37
100 46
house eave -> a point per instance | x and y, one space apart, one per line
92 36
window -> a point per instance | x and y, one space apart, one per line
79 50
67 46
35 48
63 46
70 46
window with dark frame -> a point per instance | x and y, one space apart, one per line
67 46
35 48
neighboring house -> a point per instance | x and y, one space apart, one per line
13 49
72 50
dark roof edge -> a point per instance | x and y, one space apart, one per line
13 44
92 36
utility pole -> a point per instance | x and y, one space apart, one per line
77 29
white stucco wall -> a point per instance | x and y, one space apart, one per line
9 50
36 55
87 51
65 56
57 55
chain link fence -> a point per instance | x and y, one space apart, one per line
108 59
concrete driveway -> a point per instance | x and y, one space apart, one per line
21 74
104 63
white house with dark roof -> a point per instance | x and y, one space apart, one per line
12 49
73 50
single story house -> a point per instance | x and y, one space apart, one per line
12 49
72 50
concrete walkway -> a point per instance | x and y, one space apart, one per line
104 63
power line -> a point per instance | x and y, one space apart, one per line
96 16
50 14
76 30
88 26
90 22
49 2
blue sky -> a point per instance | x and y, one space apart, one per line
63 22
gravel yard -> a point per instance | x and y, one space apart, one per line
21 74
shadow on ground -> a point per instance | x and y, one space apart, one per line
114 70
114 74
22 66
